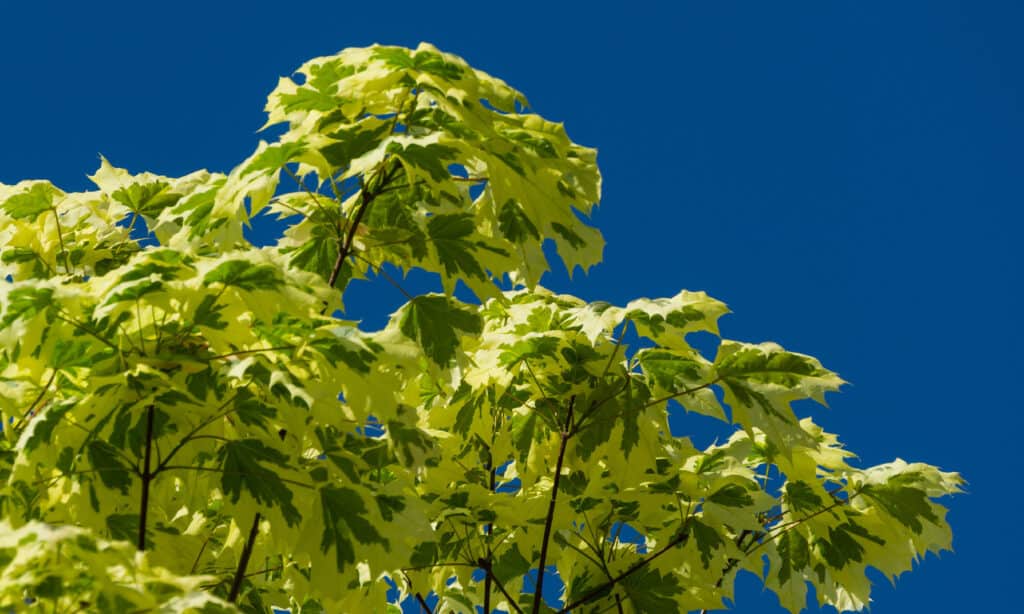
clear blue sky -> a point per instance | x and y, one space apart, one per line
846 175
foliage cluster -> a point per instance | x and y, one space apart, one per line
191 424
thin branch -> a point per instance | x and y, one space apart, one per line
70 474
366 199
87 330
380 271
436 565
199 555
487 531
583 553
596 592
423 604
549 521
221 471
38 398
674 395
254 351
533 375
302 184
615 351
786 527
243 561
203 424
501 587
60 237
267 570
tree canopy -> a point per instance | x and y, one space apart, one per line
192 422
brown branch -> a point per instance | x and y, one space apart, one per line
243 562
549 521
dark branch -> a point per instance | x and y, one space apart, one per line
147 477
243 561
549 521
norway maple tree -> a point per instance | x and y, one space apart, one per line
193 423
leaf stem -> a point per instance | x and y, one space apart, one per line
549 521
243 561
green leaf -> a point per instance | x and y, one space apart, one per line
801 497
510 564
245 275
795 554
147 199
457 254
30 203
25 302
651 591
345 525
42 426
242 471
732 495
124 526
108 463
436 322
903 501
430 160
350 143
707 538
515 224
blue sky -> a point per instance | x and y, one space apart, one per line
846 176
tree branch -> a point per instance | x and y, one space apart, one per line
549 521
243 561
